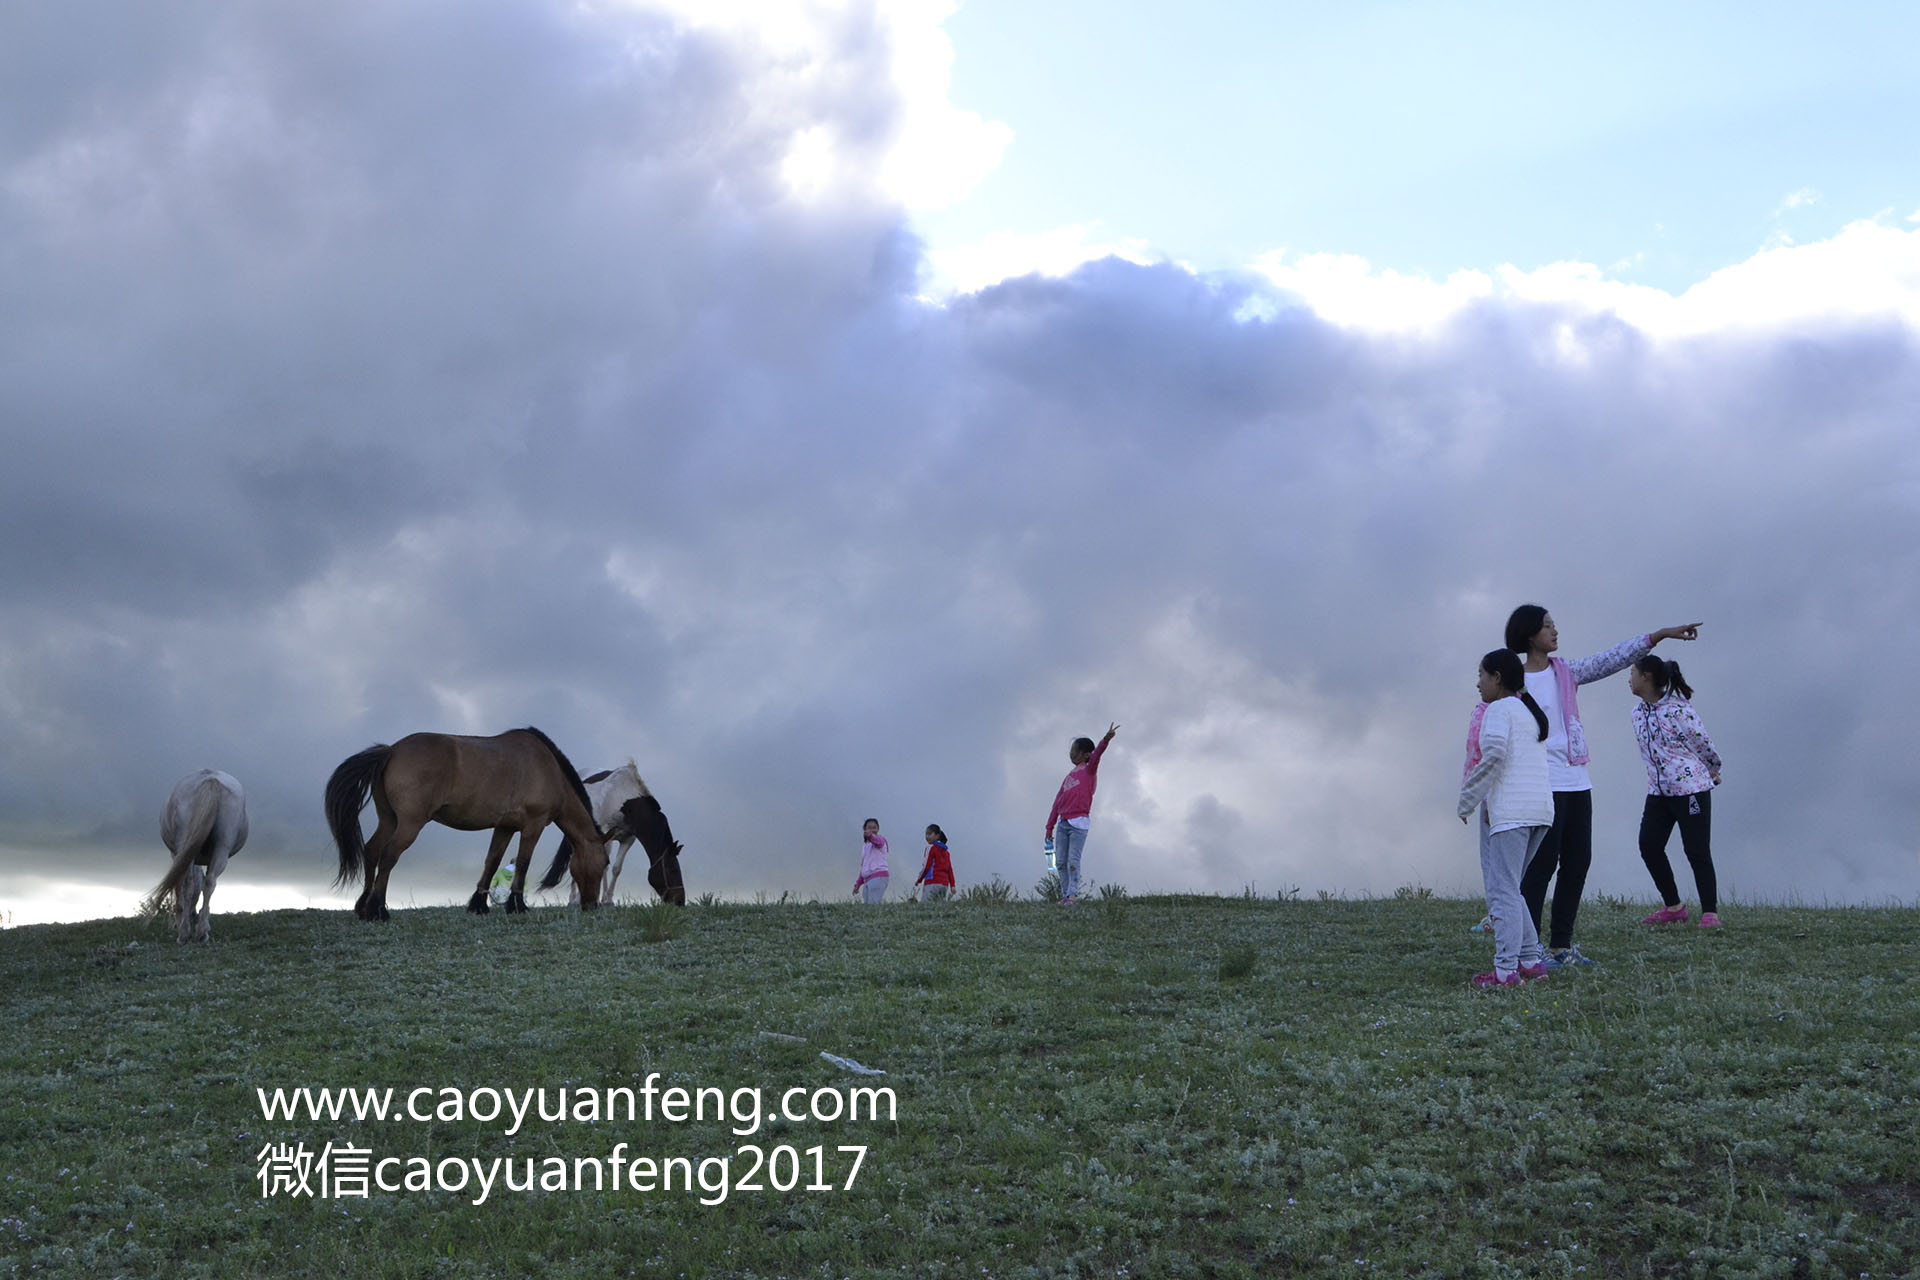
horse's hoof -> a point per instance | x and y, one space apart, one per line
516 905
478 903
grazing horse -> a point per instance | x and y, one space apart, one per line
612 791
516 782
204 824
642 815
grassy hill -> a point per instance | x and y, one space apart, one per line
1156 1086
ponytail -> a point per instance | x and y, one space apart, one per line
1665 675
1539 716
1680 686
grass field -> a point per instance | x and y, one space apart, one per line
1144 1087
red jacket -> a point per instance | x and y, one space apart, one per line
939 867
1076 791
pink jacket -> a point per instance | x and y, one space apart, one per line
1569 676
1075 798
873 860
1473 739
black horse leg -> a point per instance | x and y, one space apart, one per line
478 902
517 896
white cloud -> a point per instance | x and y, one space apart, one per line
1869 271
1801 199
1345 290
1008 255
925 153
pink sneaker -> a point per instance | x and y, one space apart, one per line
1533 972
1486 980
1708 920
1668 915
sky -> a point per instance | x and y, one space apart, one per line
838 409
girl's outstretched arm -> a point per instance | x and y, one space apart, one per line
1100 747
1689 631
1603 664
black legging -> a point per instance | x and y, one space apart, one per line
1694 816
1568 848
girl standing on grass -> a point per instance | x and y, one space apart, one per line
1554 684
1682 771
1071 813
1506 779
937 872
871 883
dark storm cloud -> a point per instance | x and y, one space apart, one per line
388 368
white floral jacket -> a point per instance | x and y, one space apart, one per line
1679 756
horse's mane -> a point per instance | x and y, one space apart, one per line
628 767
567 770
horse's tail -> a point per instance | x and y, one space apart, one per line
204 812
347 792
561 856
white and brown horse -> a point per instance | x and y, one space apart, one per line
515 783
204 824
627 811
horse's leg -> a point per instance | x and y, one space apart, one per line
184 899
517 896
478 902
371 905
203 925
404 834
618 861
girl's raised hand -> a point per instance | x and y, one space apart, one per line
1111 730
1690 631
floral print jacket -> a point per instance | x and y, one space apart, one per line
1680 758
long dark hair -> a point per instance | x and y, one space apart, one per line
938 834
1523 624
1665 675
1504 665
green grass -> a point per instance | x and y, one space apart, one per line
1167 1086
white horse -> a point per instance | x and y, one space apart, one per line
611 790
204 824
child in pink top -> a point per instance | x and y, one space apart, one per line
871 884
1068 820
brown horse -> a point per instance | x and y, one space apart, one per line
516 782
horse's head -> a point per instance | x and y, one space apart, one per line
648 822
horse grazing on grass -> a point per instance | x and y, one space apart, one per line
516 782
613 791
204 824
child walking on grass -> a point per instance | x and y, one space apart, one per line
1506 780
871 883
1682 771
937 872
1068 820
